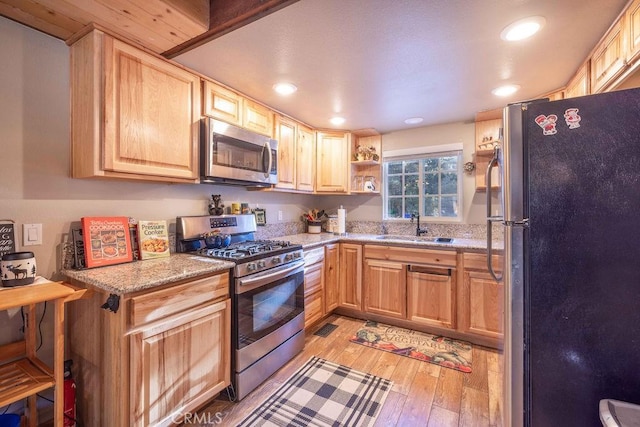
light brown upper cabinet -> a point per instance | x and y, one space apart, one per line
306 159
230 106
332 170
632 23
286 132
579 83
222 103
134 115
257 117
608 58
296 155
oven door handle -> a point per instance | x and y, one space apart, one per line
253 281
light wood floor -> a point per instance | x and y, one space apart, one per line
423 394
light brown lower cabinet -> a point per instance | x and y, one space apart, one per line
313 286
350 294
163 353
431 296
385 288
483 298
331 276
438 291
181 362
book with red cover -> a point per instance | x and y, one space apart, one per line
106 240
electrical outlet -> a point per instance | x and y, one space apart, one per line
279 215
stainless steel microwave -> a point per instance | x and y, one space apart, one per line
232 155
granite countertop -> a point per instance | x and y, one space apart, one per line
308 241
136 276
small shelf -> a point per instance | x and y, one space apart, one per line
32 294
365 192
365 162
22 378
22 374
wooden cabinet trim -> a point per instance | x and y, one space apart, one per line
411 255
478 261
159 304
221 103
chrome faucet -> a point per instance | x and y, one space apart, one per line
419 231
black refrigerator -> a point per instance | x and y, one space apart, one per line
570 195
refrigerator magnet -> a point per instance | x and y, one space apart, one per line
572 118
547 123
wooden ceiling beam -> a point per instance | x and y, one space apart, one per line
228 15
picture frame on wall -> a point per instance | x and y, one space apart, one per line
261 216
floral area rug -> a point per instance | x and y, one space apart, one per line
440 350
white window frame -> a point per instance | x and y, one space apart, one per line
419 153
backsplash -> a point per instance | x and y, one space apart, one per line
467 231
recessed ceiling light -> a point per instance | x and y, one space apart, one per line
337 121
284 88
523 28
505 90
414 120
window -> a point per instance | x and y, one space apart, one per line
430 184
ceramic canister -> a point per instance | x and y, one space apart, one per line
18 268
313 227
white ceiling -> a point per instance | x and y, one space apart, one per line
378 62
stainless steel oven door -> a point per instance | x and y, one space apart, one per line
268 300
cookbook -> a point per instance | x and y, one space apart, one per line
106 240
153 238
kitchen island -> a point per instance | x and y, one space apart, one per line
152 341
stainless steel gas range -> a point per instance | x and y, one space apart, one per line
267 291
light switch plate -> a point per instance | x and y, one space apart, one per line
31 234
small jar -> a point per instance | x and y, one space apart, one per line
18 269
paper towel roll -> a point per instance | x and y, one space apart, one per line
342 220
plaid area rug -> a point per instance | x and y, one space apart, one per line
436 349
322 393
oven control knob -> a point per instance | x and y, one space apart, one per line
297 254
261 264
288 257
251 266
275 260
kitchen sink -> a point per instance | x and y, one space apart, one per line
415 238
